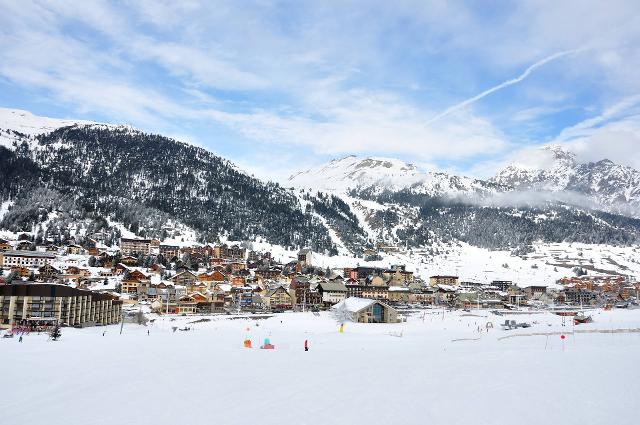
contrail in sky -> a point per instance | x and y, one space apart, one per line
507 83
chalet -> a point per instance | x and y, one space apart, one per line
129 286
221 288
278 299
236 266
444 280
25 245
21 271
129 260
138 274
305 257
132 280
364 310
121 268
4 245
74 249
331 292
210 279
48 272
186 304
199 297
196 287
217 276
210 306
184 278
238 280
205 277
72 270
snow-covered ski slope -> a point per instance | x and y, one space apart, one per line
436 368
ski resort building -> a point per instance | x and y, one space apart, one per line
364 310
36 303
278 298
332 292
139 246
28 259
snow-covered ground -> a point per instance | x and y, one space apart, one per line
436 368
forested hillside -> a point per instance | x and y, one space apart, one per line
143 180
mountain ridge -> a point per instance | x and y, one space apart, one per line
78 179
603 184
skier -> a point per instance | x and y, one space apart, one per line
147 332
20 339
306 345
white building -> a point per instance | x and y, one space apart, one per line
29 259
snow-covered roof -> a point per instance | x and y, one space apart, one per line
398 289
353 304
448 288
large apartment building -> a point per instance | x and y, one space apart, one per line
139 246
24 304
28 259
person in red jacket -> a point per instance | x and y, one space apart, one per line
306 345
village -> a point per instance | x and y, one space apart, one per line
92 284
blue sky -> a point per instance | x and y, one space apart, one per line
280 86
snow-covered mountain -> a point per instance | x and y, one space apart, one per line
375 175
352 172
611 186
17 125
60 175
550 173
27 123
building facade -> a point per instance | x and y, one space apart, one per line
53 303
29 259
139 246
444 280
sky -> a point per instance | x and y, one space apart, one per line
281 86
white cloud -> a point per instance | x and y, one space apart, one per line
375 124
324 78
